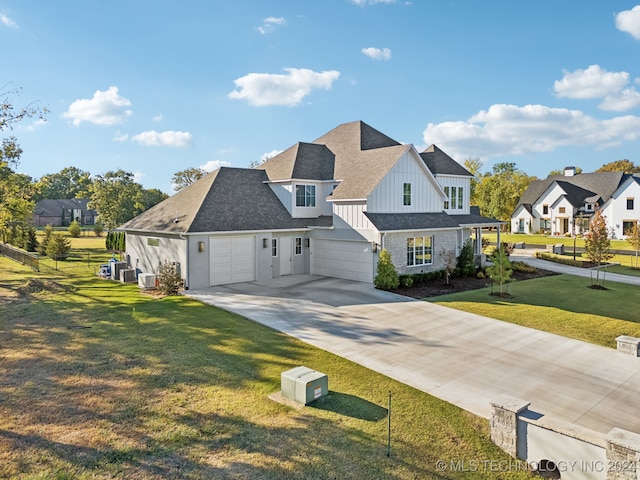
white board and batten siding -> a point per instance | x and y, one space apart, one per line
342 259
232 259
387 197
352 213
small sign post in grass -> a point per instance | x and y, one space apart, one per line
389 426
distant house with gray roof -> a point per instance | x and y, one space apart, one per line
61 212
325 207
564 204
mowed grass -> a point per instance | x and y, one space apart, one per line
102 381
561 304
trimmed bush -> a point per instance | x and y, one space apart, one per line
169 282
75 229
387 276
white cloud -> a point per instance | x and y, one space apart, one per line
212 165
105 108
514 130
594 82
163 139
266 156
120 137
158 118
377 53
7 22
629 21
264 89
270 24
138 176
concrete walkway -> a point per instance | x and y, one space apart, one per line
465 359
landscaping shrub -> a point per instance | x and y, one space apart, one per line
387 276
557 259
466 262
169 282
522 267
406 281
75 229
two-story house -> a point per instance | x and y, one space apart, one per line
564 204
324 208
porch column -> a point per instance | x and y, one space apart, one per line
478 241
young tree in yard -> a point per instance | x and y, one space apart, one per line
58 246
597 244
633 237
500 271
449 259
387 276
75 229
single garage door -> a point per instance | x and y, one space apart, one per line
232 259
342 259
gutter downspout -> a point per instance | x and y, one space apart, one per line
186 277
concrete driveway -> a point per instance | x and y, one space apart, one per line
465 359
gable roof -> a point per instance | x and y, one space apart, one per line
581 188
363 157
442 164
226 200
53 207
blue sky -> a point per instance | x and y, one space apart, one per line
154 87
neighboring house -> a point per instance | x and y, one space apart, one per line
564 204
323 208
61 212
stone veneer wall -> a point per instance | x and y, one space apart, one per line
622 460
443 240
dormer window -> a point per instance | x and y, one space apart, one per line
305 195
589 207
406 194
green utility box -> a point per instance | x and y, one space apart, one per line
303 385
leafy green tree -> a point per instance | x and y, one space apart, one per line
633 238
16 189
70 182
497 194
597 244
186 177
98 228
75 229
387 275
473 165
116 198
626 166
58 246
151 197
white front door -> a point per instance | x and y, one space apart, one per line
285 255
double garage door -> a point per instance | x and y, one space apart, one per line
342 259
232 260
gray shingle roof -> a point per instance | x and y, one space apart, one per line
386 222
363 156
53 207
442 164
228 199
301 161
580 188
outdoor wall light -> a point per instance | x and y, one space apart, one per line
265 242
306 242
200 247
374 247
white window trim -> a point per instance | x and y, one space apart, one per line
430 237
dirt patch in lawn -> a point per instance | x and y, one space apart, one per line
462 284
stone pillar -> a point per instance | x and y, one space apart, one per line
628 345
623 455
504 422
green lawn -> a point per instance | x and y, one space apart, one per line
102 381
561 304
550 240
